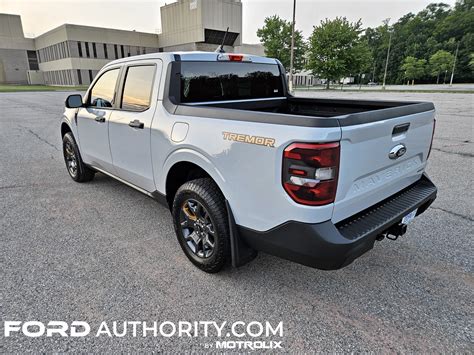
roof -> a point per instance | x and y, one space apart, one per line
191 56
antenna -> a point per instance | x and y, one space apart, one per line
220 49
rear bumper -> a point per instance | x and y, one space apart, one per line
331 246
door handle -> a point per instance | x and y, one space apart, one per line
100 119
401 128
136 124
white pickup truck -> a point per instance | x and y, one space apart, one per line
244 166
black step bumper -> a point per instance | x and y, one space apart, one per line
331 246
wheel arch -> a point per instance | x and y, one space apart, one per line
181 172
65 128
183 165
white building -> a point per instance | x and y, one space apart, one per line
73 54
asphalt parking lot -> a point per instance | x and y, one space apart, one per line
102 251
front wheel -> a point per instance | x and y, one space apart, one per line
201 224
76 168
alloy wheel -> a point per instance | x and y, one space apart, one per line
197 228
71 160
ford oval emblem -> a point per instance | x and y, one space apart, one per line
397 151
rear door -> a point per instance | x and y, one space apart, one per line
129 126
92 121
379 159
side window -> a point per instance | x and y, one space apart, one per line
102 94
137 89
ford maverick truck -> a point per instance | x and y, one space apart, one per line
244 166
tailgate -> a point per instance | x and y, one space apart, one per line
380 158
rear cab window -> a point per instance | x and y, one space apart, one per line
220 81
137 88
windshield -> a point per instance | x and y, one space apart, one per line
218 81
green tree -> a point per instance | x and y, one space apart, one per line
440 62
413 68
276 38
471 62
420 35
377 39
336 49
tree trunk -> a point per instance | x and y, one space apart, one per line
413 82
437 79
327 85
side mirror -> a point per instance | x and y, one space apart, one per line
74 101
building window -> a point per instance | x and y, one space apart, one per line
106 55
66 48
217 37
79 48
122 51
116 52
94 50
32 60
90 76
88 54
79 76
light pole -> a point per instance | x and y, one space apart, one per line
292 47
388 55
454 65
373 73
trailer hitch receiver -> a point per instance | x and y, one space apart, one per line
396 231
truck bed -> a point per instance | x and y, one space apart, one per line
305 111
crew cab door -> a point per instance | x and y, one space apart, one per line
130 124
93 118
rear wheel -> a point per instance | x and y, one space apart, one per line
201 225
76 168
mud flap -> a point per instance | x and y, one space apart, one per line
241 253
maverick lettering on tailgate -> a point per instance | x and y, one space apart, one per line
245 138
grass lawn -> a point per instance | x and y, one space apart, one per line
21 88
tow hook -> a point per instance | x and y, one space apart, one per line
393 232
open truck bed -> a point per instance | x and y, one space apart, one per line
301 111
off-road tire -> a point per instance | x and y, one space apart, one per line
205 192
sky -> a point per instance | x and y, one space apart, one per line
39 16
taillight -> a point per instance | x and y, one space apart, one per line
310 172
432 136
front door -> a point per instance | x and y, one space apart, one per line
130 124
93 120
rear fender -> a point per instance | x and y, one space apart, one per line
197 158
